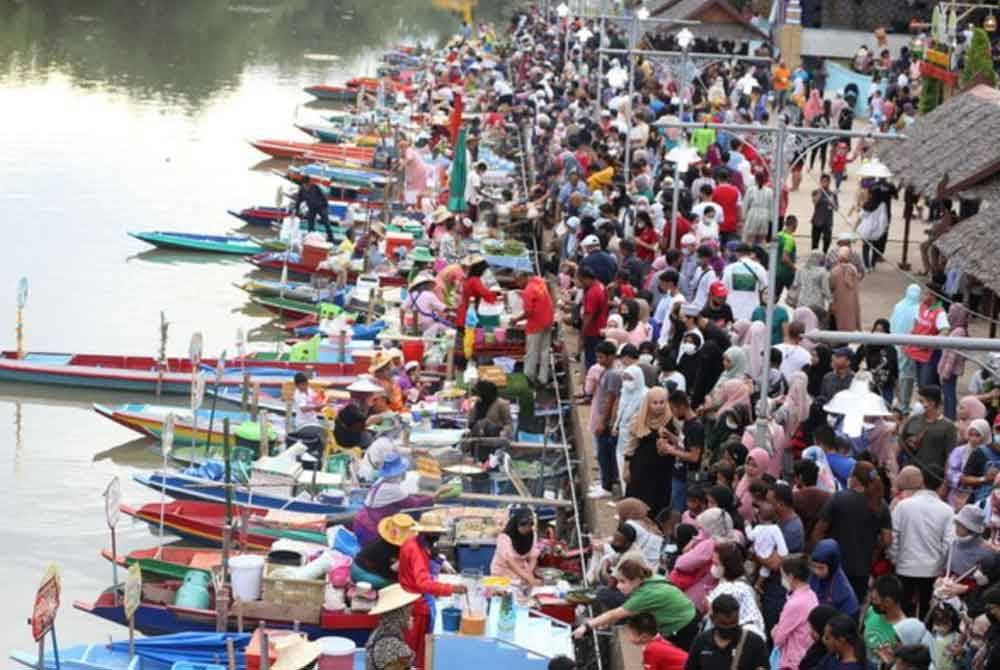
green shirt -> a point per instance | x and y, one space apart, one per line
781 317
786 245
878 632
669 606
702 139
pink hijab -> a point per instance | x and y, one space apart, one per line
971 408
744 498
734 393
740 328
796 402
807 318
814 106
754 346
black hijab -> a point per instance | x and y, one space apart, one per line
522 543
818 371
488 394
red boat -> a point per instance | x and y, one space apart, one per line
274 261
371 84
292 150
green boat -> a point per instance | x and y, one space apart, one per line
286 306
240 245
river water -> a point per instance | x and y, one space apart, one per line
122 115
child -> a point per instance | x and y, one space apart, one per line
944 627
657 653
766 538
591 380
838 163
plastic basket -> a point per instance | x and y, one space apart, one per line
287 591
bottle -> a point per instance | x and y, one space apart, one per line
508 616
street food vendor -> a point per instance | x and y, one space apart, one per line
517 552
386 497
418 570
307 403
381 371
376 562
431 312
473 289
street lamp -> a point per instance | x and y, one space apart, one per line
642 14
562 11
684 40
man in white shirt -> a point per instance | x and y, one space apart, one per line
668 282
794 356
745 278
704 277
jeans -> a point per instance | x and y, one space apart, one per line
887 395
950 396
907 378
590 343
824 232
536 362
606 459
868 255
678 495
927 372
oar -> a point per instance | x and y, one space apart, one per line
220 369
166 444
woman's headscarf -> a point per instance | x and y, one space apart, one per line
488 393
761 458
696 334
644 310
735 392
633 509
723 497
835 589
972 409
740 328
717 524
796 402
807 318
647 420
825 480
904 314
522 543
819 370
632 392
738 364
958 316
754 349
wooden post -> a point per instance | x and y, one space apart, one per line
239 616
265 648
994 309
114 563
231 654
449 372
222 592
245 400
255 401
909 205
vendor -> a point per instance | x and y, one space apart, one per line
386 648
410 383
386 497
516 554
378 410
473 289
376 562
431 312
381 371
490 416
418 569
349 428
448 285
423 261
306 404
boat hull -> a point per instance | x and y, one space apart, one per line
236 246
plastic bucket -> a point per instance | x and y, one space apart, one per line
451 619
246 573
336 653
413 351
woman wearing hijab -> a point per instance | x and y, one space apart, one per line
826 479
649 471
648 541
630 398
794 411
962 486
758 203
754 349
722 497
517 553
881 361
819 365
818 657
386 648
733 415
951 366
811 285
969 409
734 367
828 580
758 461
845 285
692 571
490 416
740 329
688 363
904 315
807 318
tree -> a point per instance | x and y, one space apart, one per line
930 94
978 61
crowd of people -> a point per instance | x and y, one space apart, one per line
758 526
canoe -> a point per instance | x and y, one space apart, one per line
159 563
286 306
240 245
202 522
183 487
302 291
338 135
156 619
159 653
139 373
324 174
272 217
292 150
275 262
148 420
332 93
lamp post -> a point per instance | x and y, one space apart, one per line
562 11
684 40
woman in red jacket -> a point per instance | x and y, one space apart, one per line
473 289
417 572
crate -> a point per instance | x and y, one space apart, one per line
475 555
287 591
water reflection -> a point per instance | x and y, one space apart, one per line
182 52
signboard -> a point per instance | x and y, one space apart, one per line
133 590
113 502
941 74
939 58
43 615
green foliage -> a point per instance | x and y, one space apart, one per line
930 94
978 61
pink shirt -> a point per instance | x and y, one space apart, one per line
506 556
792 633
698 561
416 171
593 376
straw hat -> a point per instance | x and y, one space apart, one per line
441 214
378 228
364 384
294 651
422 277
379 361
396 529
392 598
431 522
474 259
422 255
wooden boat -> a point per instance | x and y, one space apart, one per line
338 135
292 150
156 619
333 93
240 245
158 563
275 262
273 216
194 650
202 522
141 373
148 420
371 179
183 487
301 291
286 306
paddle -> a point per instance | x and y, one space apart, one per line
166 444
22 300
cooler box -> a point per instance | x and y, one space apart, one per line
314 254
474 556
394 241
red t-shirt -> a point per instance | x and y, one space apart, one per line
662 655
537 306
473 289
649 236
727 197
595 301
683 228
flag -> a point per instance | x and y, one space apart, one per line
455 122
458 176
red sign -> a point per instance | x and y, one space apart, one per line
935 72
43 616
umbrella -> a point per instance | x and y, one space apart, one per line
855 404
459 175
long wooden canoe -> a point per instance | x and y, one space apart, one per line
239 245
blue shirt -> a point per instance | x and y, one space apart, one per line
841 466
602 264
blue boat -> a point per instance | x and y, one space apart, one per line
157 653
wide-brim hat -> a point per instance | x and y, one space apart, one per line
422 255
393 465
392 598
378 228
971 518
441 214
379 361
364 384
431 522
396 529
423 277
472 260
294 651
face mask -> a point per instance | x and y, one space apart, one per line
646 358
832 420
716 571
728 632
687 348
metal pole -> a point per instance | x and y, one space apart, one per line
697 55
600 63
884 339
631 90
682 90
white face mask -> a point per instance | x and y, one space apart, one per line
716 571
688 348
646 358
